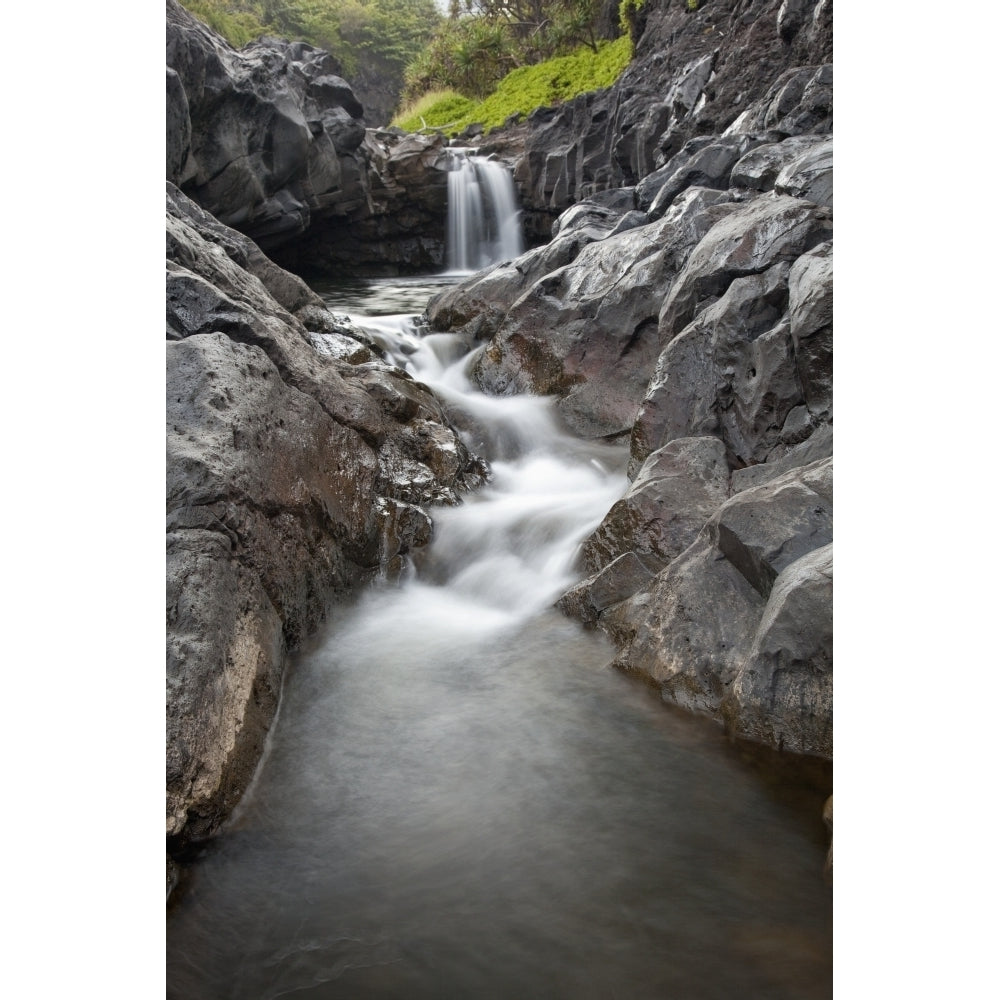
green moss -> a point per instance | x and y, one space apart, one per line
521 91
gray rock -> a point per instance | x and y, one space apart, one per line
759 169
737 626
291 475
588 331
817 446
764 529
810 305
783 693
677 489
810 175
620 579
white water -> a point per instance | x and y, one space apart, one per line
484 224
461 800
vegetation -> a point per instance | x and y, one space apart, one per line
382 36
488 60
522 90
483 40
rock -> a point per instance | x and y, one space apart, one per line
810 306
730 366
800 101
256 136
764 529
783 693
759 169
677 489
690 78
810 175
817 446
709 167
620 579
291 475
738 625
588 331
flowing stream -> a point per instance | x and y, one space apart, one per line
460 799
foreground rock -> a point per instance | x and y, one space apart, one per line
298 462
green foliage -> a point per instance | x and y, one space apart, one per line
528 87
692 4
381 35
229 18
473 51
434 110
628 11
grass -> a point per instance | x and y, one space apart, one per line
521 91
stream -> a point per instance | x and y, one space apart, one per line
461 799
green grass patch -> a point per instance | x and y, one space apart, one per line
521 91
436 109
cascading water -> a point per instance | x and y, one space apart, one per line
484 224
459 799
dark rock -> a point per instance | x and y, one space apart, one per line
760 167
810 175
677 489
588 331
738 625
783 693
620 579
291 475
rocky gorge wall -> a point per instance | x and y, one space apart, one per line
298 463
683 302
691 312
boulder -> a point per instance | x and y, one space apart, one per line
677 489
738 625
782 695
730 366
256 137
588 331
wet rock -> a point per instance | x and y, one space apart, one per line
620 579
809 175
291 475
764 529
783 693
709 167
677 489
588 331
737 626
256 136
817 446
810 304
800 101
759 169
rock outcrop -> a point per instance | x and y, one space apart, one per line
271 140
691 309
298 462
749 66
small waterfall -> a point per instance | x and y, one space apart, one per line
484 224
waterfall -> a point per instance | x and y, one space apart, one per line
484 224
